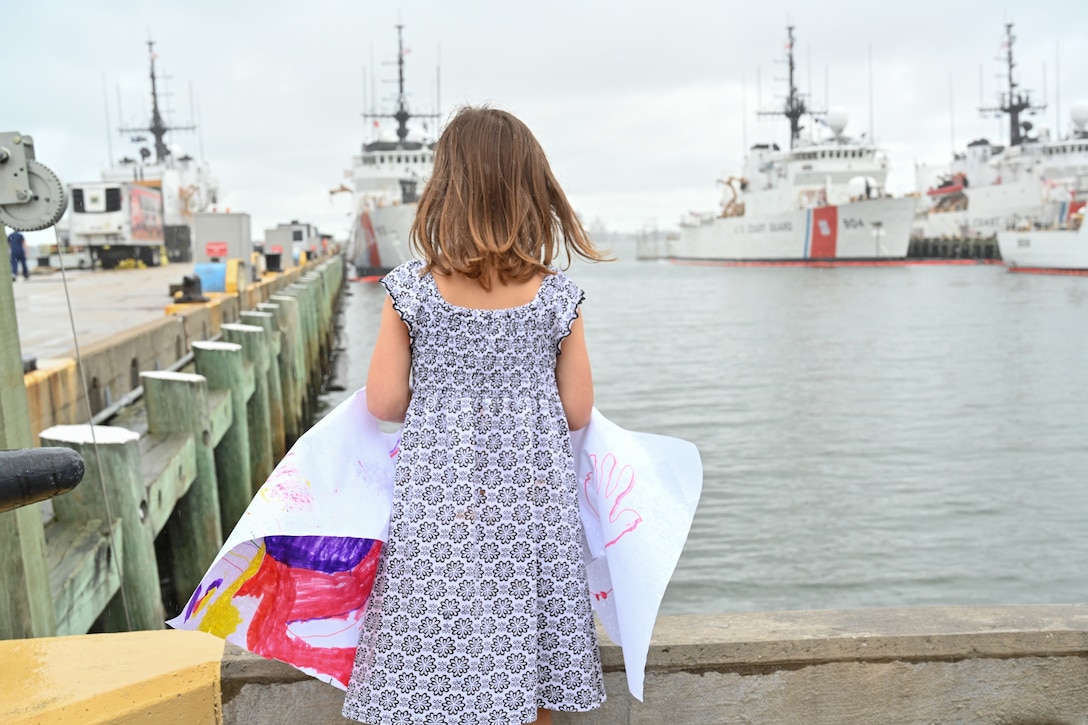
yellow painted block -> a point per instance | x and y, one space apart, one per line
54 395
132 678
236 276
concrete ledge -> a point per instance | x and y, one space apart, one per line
1006 664
122 679
762 642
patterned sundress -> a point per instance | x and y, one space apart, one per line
480 611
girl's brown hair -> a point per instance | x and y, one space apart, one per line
492 207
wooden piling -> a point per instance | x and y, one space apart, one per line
291 424
178 403
293 367
223 365
121 479
254 345
309 328
266 321
26 605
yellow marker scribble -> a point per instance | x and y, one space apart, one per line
222 617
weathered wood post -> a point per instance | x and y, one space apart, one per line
298 293
26 605
122 480
266 321
223 364
252 340
178 403
294 355
286 376
311 329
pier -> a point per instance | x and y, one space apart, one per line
978 248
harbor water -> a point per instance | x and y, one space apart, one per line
870 437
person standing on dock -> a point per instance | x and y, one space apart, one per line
480 611
17 248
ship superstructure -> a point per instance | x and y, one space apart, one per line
820 200
387 177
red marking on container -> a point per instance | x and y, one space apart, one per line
215 249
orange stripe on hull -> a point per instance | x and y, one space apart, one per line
835 262
1050 270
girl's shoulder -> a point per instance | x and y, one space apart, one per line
563 287
403 278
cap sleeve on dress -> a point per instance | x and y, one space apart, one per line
402 284
569 297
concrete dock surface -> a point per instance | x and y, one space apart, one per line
104 302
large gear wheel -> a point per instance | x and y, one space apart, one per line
48 201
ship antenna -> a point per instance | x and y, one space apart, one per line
795 105
1057 90
106 106
1013 102
402 114
158 127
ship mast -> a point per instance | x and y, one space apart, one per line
795 106
1014 102
158 127
402 115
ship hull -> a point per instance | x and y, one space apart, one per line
876 230
1045 251
380 236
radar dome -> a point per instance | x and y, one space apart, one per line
387 136
1080 115
837 118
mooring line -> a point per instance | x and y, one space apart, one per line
94 438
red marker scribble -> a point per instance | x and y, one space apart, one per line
304 579
613 482
600 596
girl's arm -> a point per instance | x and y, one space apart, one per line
387 390
574 377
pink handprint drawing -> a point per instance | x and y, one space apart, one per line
609 479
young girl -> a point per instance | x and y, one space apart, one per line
480 611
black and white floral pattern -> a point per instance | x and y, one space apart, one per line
480 612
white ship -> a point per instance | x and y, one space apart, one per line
989 188
818 202
1059 249
386 180
1062 250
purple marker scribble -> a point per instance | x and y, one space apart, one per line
196 600
327 554
610 481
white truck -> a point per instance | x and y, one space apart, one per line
118 221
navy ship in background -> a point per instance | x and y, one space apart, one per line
387 177
820 201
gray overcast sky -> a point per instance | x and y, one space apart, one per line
638 104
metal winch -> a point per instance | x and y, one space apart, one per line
31 195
